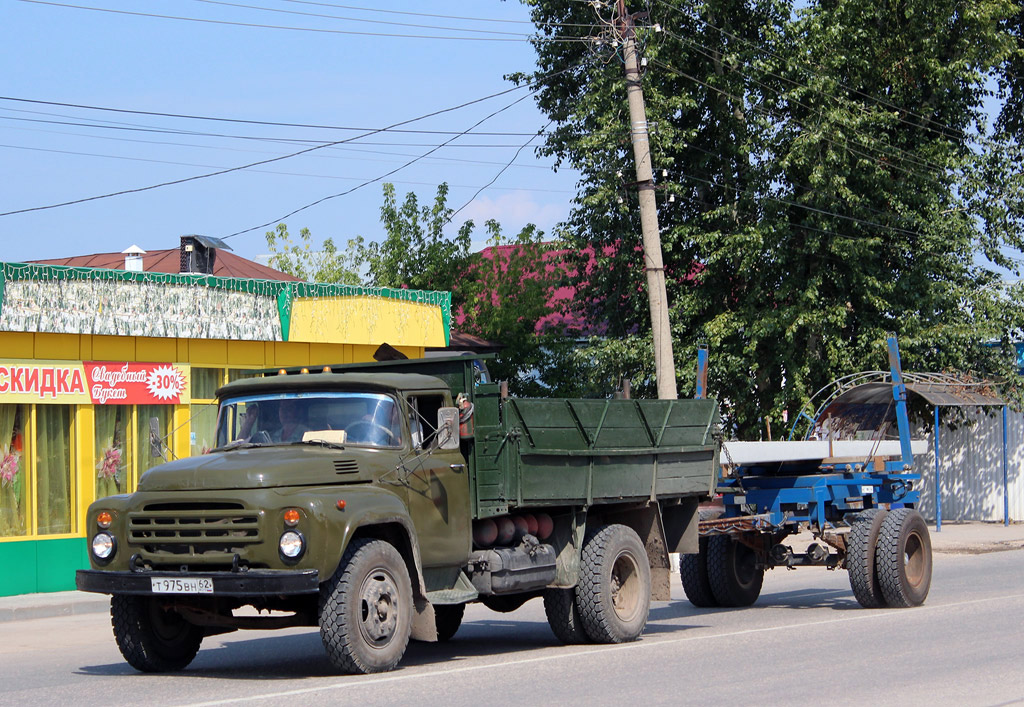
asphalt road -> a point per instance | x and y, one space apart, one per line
805 641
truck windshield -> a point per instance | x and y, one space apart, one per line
369 419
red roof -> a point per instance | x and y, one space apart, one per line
227 264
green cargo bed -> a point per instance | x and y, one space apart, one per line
553 452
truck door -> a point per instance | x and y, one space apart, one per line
438 487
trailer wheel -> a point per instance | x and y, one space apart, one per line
693 570
860 558
733 572
152 639
447 619
564 616
614 592
366 609
903 558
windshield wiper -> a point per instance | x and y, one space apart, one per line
237 444
322 443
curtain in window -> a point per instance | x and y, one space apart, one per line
145 459
111 462
13 487
53 468
204 428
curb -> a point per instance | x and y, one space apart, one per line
979 548
35 606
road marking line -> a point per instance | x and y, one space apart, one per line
355 681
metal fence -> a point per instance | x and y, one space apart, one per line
971 465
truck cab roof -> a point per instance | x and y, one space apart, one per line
307 382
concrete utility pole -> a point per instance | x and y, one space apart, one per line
664 364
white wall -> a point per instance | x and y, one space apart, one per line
971 466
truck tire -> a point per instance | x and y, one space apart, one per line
447 619
733 572
614 592
860 558
693 570
564 616
903 558
366 609
151 639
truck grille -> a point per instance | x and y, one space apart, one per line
194 529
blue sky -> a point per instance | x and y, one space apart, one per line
51 154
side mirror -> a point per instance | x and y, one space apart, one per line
448 428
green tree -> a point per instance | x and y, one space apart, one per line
827 187
323 264
506 298
415 252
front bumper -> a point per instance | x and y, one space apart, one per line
230 584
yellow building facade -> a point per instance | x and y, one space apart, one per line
105 374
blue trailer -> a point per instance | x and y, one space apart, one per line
852 484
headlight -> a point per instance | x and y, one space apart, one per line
291 545
103 546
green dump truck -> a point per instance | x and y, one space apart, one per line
376 500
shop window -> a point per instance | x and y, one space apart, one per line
54 468
112 446
235 374
205 382
154 447
204 428
13 484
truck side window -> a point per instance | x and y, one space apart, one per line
423 419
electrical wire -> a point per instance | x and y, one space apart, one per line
266 161
375 179
321 30
500 172
244 121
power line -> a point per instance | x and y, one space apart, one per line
500 172
355 19
267 171
375 179
267 161
243 121
322 30
238 149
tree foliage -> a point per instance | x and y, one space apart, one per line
829 185
323 264
500 298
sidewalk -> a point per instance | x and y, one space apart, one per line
955 539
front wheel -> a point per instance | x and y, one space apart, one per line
903 558
734 573
366 609
152 639
614 592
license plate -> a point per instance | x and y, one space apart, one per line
182 585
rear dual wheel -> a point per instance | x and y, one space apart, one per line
860 558
903 558
693 570
735 573
889 558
